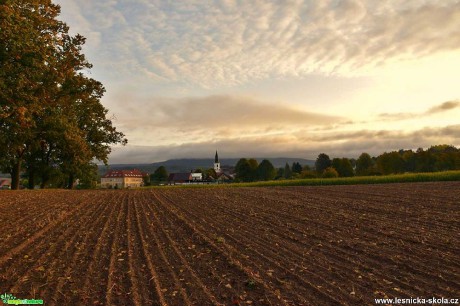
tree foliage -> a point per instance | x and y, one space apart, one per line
266 171
391 162
159 175
330 172
343 167
322 162
51 118
296 167
364 164
243 170
287 171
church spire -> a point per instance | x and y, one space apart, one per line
217 163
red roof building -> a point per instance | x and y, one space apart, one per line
123 179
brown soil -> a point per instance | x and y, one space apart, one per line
337 245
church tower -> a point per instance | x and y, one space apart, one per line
217 163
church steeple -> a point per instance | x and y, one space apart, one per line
217 163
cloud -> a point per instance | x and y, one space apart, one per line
347 144
446 106
395 116
212 117
440 108
226 43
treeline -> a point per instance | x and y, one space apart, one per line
435 158
52 124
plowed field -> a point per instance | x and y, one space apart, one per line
232 246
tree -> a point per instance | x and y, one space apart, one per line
266 171
27 47
89 178
146 179
210 174
447 157
50 112
424 161
343 167
409 161
308 173
287 171
296 167
364 164
330 172
160 175
389 163
243 170
279 173
322 162
253 164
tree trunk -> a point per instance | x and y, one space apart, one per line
15 175
31 183
71 180
45 179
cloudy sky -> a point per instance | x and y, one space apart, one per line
285 78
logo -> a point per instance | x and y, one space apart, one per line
9 299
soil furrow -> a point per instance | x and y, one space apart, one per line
233 256
44 271
183 274
73 268
27 256
117 292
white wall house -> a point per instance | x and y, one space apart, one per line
197 176
122 179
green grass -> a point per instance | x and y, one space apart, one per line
358 180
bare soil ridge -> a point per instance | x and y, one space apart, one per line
232 246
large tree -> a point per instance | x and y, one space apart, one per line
266 171
243 170
364 164
160 175
343 167
287 171
50 112
390 163
322 162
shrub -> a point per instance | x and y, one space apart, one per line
307 174
330 172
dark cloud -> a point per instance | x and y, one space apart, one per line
347 144
446 106
215 115
440 108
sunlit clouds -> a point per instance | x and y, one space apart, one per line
233 42
274 77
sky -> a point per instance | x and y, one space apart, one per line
285 78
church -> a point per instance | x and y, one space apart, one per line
221 175
217 164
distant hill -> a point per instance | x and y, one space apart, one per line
188 164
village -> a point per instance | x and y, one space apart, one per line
117 179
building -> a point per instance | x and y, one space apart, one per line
217 164
225 177
197 177
5 183
123 179
179 178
